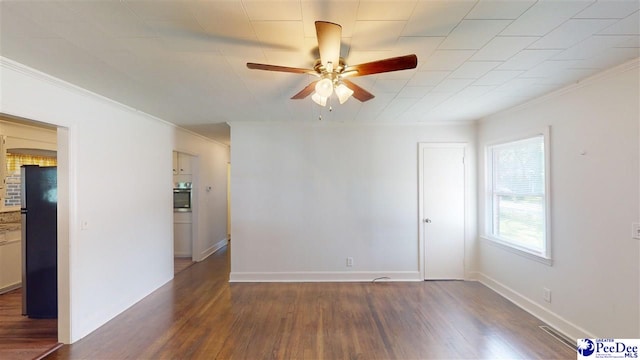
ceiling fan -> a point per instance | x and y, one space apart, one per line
332 70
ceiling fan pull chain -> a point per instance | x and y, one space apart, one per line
319 112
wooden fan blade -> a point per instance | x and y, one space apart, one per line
385 65
358 92
329 36
306 91
267 67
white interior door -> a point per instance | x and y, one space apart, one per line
442 210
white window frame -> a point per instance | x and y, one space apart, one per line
544 255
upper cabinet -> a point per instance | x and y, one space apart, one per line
175 163
181 164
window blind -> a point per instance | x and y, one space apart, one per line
518 193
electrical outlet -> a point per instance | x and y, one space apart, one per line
635 231
546 295
349 261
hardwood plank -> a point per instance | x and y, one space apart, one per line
181 263
200 315
21 337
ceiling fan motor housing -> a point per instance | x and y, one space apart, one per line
324 72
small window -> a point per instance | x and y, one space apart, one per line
12 195
518 200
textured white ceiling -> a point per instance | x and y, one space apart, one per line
184 61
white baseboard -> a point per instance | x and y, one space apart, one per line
554 320
215 247
8 288
324 276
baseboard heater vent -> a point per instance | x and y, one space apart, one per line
558 336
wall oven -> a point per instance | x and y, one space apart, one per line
182 199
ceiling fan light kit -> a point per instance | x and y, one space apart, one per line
332 70
324 87
343 93
318 99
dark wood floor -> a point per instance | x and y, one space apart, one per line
21 337
24 338
199 315
181 263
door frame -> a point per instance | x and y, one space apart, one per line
421 214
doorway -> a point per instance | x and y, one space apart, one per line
27 142
442 210
184 181
228 201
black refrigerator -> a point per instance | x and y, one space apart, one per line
39 241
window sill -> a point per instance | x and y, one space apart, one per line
524 253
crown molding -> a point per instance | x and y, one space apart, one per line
624 67
329 123
15 66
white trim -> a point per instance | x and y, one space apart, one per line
31 72
515 250
353 124
629 65
487 222
521 135
212 249
325 276
196 243
68 228
421 214
556 321
11 287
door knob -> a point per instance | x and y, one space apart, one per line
427 220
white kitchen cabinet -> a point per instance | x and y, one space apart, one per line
182 240
181 163
182 234
10 260
175 163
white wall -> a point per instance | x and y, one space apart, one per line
595 276
306 196
114 174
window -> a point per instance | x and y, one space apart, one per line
15 161
13 186
518 201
